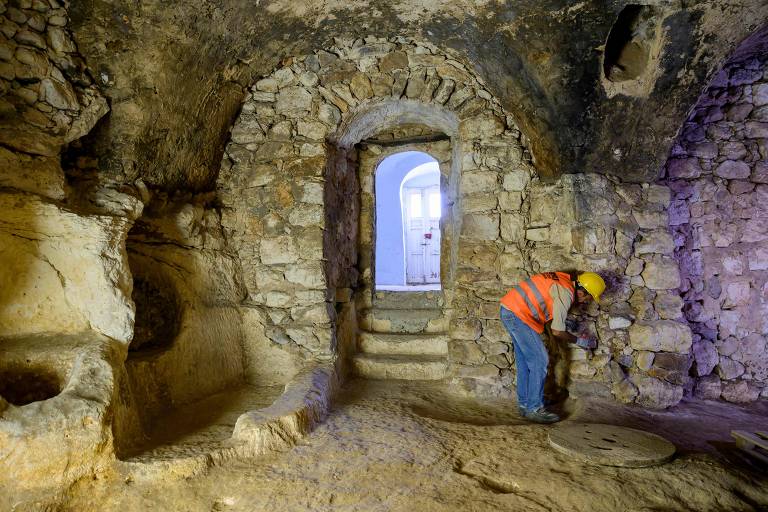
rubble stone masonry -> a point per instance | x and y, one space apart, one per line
718 172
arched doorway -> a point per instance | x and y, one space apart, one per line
408 211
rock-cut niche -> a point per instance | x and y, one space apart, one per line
630 43
157 306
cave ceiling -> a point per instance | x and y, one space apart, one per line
176 73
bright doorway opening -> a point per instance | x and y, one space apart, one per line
408 210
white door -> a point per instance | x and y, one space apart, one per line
422 236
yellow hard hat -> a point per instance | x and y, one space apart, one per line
592 283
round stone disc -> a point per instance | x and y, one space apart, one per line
609 445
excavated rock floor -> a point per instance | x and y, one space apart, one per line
410 446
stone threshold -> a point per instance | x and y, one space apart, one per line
409 288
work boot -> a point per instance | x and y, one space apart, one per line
521 411
541 415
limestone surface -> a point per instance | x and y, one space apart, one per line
437 451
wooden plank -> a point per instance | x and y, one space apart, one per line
756 454
748 440
755 445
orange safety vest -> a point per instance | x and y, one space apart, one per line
530 300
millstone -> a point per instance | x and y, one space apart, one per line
609 445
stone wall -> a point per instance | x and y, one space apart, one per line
591 222
46 97
718 171
288 182
292 208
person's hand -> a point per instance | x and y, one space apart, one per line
586 343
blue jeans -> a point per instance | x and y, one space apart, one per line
531 360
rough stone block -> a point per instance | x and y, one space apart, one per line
494 348
755 230
480 127
495 332
516 180
511 201
511 263
760 172
360 86
593 240
733 151
679 213
731 169
393 61
661 335
58 95
649 219
465 329
644 360
657 241
740 392
736 294
658 194
684 168
668 305
657 394
729 369
480 226
760 94
672 361
758 258
512 227
465 352
703 150
312 130
266 85
708 388
479 203
661 273
479 182
308 275
537 234
756 130
483 372
307 215
293 101
619 322
634 267
278 250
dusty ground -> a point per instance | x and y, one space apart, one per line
392 446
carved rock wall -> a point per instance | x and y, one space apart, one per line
66 315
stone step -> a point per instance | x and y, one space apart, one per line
402 321
408 300
400 367
403 344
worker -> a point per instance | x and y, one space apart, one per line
525 309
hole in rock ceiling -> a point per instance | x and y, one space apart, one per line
627 50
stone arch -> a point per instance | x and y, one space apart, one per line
290 196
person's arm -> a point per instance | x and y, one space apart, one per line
561 303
